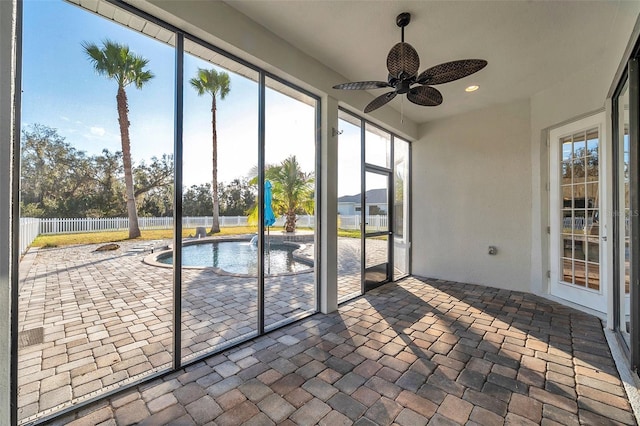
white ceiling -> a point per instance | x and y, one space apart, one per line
529 44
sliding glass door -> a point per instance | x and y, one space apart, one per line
626 220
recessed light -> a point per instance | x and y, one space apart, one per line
472 88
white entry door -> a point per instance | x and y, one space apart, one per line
577 225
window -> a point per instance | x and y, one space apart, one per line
100 307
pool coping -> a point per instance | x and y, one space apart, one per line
151 259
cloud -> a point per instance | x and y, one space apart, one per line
97 131
63 118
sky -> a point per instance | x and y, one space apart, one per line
61 90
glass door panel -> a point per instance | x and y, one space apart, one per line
579 210
623 216
576 222
376 224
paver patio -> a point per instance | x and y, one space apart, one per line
90 320
409 353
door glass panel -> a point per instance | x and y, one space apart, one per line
401 242
376 228
580 209
377 250
219 264
624 212
349 207
376 202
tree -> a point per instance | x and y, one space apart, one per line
154 186
56 179
236 198
216 84
196 201
109 187
292 191
116 62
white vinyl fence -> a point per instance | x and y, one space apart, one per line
30 228
374 222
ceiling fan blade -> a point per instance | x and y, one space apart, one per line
403 61
379 101
362 85
450 71
425 96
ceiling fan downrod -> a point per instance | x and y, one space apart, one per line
402 21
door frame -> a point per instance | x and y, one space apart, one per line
596 300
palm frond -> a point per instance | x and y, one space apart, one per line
211 81
115 61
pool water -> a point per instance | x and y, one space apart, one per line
239 257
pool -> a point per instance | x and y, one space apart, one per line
239 257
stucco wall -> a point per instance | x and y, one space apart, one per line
474 179
580 92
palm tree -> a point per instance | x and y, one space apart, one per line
292 190
214 83
116 62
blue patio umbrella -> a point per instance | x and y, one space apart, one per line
269 219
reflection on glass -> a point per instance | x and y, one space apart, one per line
92 317
579 145
220 151
400 208
567 148
290 157
567 172
349 207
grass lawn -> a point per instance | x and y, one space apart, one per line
349 233
57 240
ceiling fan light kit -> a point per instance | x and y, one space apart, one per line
403 64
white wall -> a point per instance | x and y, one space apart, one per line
474 179
7 39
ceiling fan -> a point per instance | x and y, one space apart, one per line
403 63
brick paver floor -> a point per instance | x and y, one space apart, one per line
89 321
410 353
